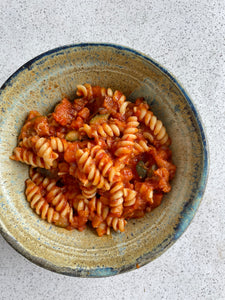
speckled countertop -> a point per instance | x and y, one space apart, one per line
187 37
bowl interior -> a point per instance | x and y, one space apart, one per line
39 85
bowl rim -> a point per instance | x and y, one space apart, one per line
187 213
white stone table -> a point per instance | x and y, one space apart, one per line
188 38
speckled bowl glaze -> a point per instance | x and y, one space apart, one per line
39 85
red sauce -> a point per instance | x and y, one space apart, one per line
157 166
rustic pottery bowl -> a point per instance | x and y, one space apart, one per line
39 85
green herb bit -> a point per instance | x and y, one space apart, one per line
141 169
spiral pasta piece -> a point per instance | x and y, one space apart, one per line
148 136
150 120
120 98
57 144
88 130
80 204
35 176
39 204
28 157
82 90
40 180
109 92
26 143
116 198
88 191
116 223
87 91
108 130
104 130
140 147
98 212
98 215
123 107
88 166
44 150
43 147
58 200
125 146
104 163
129 197
101 210
103 228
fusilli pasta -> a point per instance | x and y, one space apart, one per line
29 158
126 144
39 204
150 120
98 158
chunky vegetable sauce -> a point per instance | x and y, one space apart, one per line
96 159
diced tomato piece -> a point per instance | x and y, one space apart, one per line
84 113
157 199
163 184
76 124
41 126
64 112
69 154
33 114
127 174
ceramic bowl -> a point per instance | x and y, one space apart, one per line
39 85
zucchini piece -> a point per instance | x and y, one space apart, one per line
72 136
99 119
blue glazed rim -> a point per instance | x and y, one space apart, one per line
189 209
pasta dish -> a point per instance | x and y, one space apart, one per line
98 160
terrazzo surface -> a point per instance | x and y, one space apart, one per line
187 37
